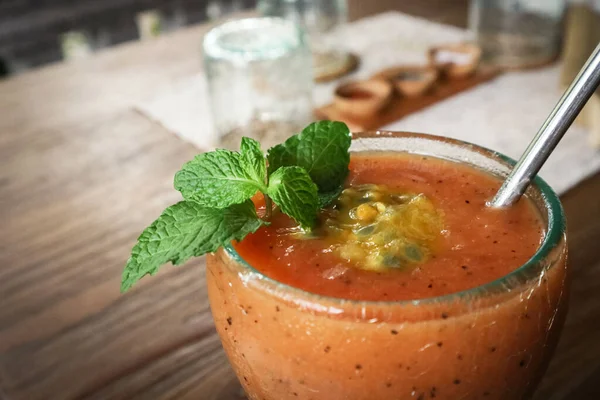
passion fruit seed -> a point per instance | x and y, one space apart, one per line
391 261
366 230
380 206
366 212
413 253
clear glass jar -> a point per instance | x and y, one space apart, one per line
259 80
286 344
517 33
320 19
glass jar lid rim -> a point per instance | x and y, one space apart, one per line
252 39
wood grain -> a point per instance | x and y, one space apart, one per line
81 175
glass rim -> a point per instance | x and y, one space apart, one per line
213 48
556 227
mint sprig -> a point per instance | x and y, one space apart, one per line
295 193
254 160
220 178
322 150
185 230
304 173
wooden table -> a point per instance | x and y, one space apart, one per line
82 174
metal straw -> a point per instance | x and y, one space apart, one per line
553 129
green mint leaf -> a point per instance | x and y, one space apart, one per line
218 179
321 149
254 159
292 189
327 198
186 230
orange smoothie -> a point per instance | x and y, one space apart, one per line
466 303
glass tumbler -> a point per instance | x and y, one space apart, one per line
286 344
259 80
320 19
517 33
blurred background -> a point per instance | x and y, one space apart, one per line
512 33
38 32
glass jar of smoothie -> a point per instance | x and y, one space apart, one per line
466 330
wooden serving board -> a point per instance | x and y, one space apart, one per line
399 107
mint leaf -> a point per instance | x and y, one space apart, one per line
321 149
327 198
186 230
254 159
292 189
219 179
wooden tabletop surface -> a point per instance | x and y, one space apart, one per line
82 174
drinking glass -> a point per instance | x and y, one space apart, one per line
320 19
259 80
517 33
493 341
